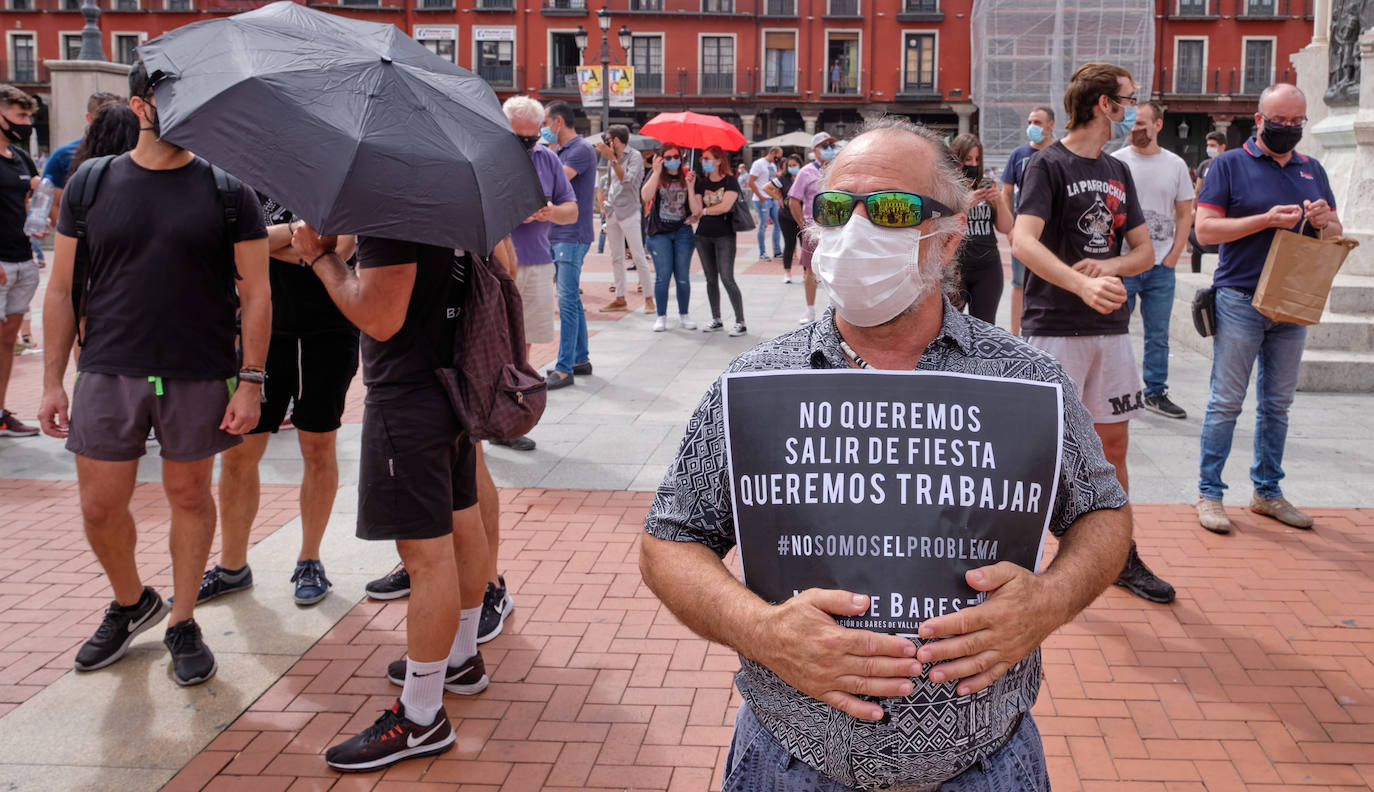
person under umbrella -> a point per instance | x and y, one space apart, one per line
713 198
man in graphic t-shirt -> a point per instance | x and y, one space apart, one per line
1077 207
1166 197
157 357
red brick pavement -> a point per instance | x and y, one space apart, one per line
1259 677
52 590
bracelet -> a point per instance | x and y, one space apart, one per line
256 376
317 258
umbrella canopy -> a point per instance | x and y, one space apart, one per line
694 130
637 142
352 125
797 139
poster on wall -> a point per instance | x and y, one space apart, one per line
622 86
890 484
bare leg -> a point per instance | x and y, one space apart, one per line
489 503
1115 442
239 494
470 556
1017 294
187 485
318 488
433 611
809 285
9 333
106 488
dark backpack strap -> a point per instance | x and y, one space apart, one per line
228 189
83 187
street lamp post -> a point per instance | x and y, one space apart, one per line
603 21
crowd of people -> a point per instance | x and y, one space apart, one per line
258 317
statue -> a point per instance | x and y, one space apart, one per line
1348 20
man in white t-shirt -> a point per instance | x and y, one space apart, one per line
760 173
1165 192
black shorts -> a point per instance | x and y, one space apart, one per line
417 467
315 370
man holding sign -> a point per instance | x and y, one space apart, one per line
907 470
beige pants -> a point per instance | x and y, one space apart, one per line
618 233
536 292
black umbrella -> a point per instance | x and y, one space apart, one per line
638 142
354 126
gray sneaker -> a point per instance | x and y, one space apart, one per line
1280 509
1212 516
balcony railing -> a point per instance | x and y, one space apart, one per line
496 75
648 83
921 7
565 6
646 5
843 8
434 5
563 78
495 5
717 83
26 70
784 8
846 84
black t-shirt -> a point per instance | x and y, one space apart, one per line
712 193
16 171
1088 206
426 338
162 299
300 303
979 248
783 181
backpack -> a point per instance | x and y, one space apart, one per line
84 185
493 390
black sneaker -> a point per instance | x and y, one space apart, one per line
389 740
496 606
467 679
1161 405
118 629
311 584
390 587
192 662
219 580
713 326
11 426
519 443
1139 580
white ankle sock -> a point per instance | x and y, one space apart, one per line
465 642
423 694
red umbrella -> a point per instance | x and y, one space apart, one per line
694 130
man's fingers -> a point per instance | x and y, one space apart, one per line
878 687
880 645
886 667
977 682
863 710
837 602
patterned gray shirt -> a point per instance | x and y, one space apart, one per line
931 735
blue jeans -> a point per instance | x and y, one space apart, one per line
672 255
768 210
759 763
1155 286
572 318
1244 335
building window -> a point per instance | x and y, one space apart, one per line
845 8
1188 66
23 58
718 6
563 60
124 5
842 63
646 56
444 48
717 65
646 5
780 8
125 47
1259 65
71 5
1260 8
490 5
178 5
1192 7
496 57
21 5
780 62
71 46
919 74
922 7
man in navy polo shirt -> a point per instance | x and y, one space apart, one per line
1249 192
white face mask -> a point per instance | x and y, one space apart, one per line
1212 151
873 273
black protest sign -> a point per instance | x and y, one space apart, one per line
890 484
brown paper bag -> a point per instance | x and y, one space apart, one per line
1297 276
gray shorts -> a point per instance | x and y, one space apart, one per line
21 283
1104 371
111 416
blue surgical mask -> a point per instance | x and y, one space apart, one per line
1122 128
708 166
792 170
827 153
548 136
672 164
1034 133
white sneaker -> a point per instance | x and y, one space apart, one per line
786 278
738 330
685 322
660 324
809 316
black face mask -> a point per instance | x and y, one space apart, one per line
971 173
18 133
155 122
528 141
1280 138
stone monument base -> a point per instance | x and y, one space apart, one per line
73 81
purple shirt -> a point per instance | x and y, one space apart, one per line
805 187
531 240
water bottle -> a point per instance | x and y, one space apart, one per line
39 207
